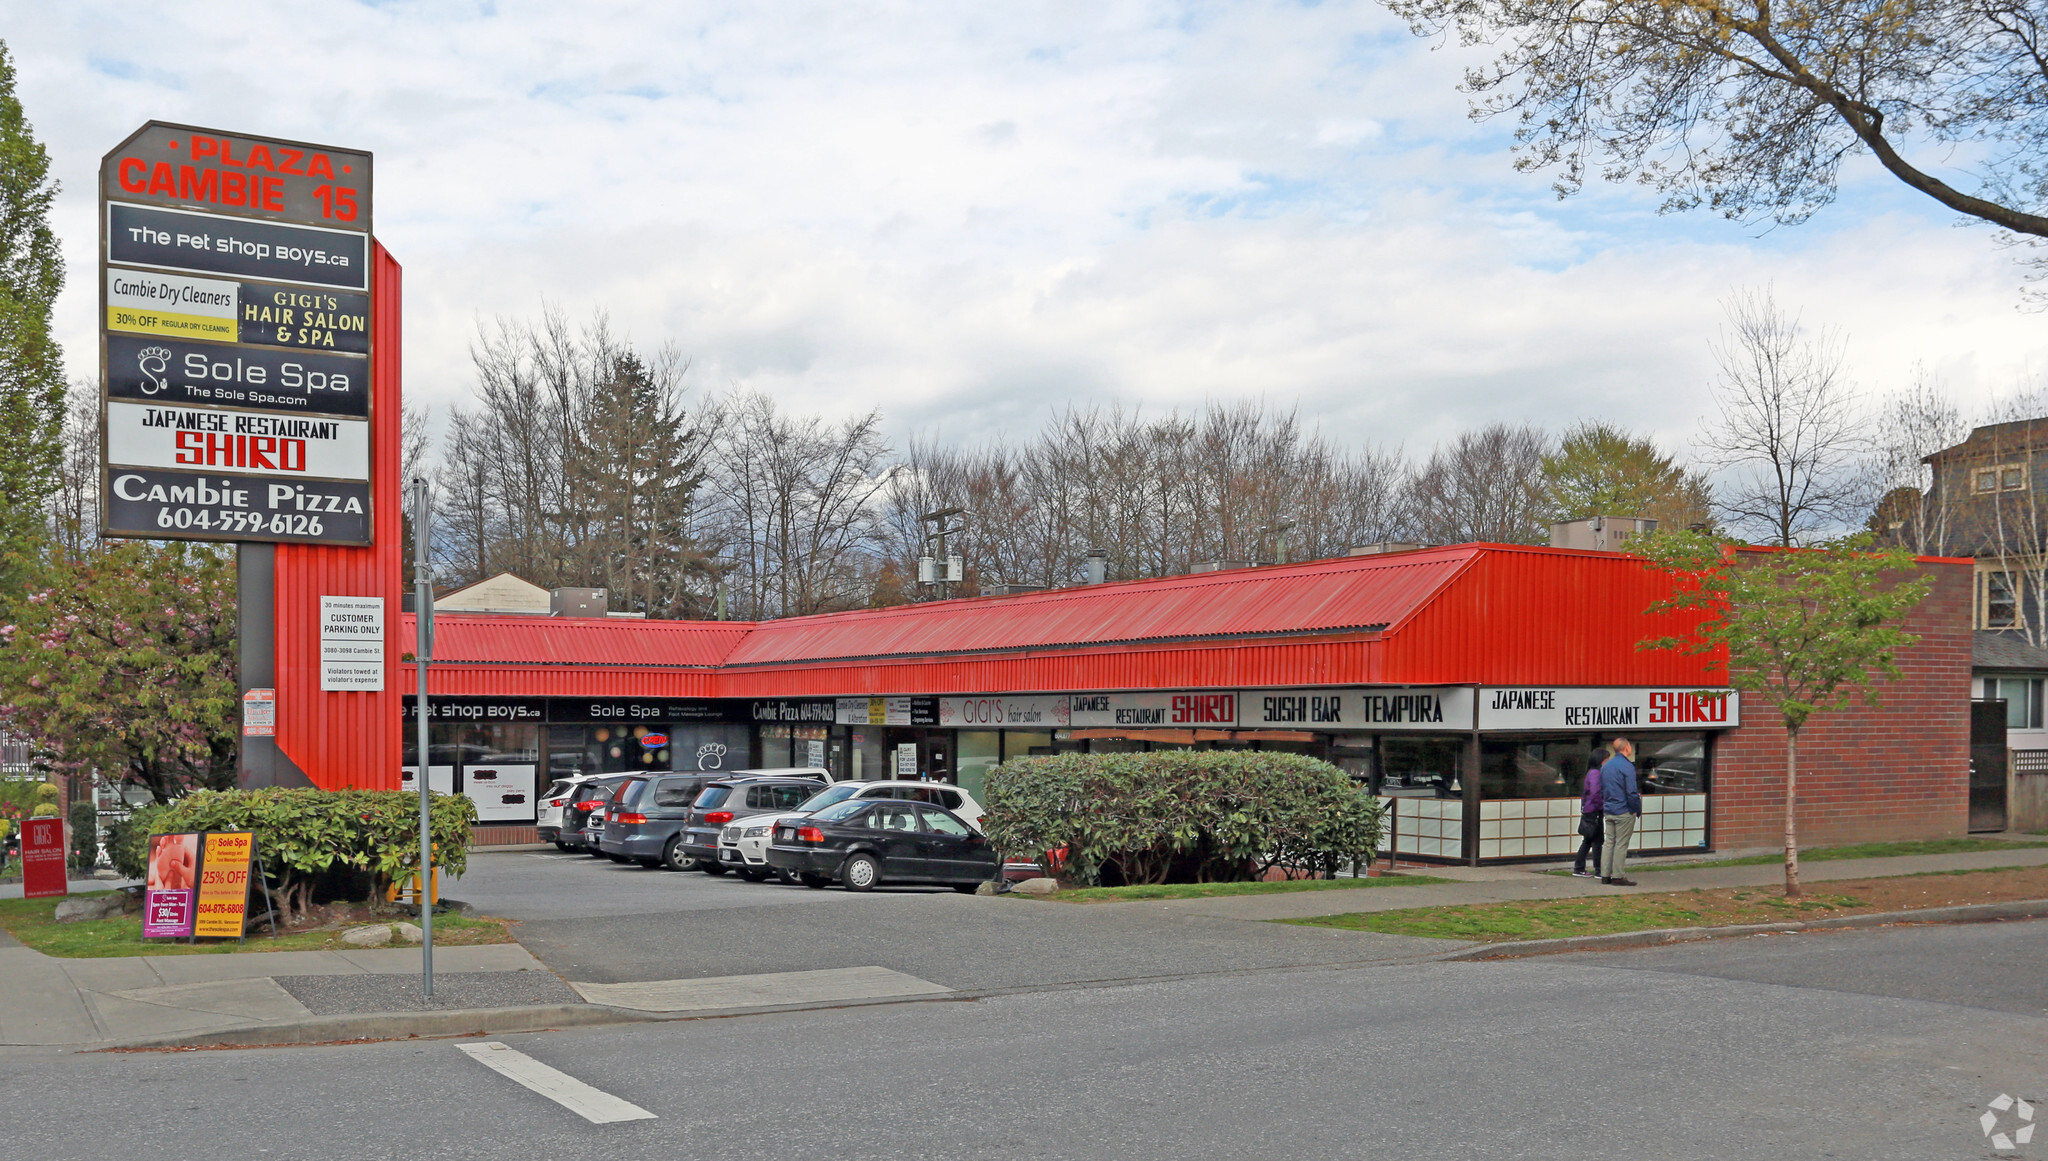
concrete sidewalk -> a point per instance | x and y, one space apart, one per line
45 1000
1521 883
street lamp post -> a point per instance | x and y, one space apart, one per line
423 652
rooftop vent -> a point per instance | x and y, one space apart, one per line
577 602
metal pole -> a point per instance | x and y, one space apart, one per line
423 652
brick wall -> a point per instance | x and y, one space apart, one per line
1897 770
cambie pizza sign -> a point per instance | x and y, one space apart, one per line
235 338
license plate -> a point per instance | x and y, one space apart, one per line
786 833
729 856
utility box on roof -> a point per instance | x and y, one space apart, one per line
577 602
1601 533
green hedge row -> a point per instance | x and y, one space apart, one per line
1182 816
305 835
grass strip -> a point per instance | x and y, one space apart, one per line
1699 907
1957 846
1212 890
33 922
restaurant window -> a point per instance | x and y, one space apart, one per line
869 762
2022 700
776 747
1422 767
2001 601
1533 767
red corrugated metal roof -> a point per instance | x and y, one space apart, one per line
1352 594
591 641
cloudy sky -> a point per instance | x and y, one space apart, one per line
965 213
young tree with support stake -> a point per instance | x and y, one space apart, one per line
1802 630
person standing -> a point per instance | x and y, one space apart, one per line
1592 818
1621 801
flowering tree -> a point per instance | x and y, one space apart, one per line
1804 630
123 661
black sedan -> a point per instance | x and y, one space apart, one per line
865 843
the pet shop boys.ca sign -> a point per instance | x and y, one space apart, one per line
235 339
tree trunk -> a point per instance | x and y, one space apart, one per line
1792 812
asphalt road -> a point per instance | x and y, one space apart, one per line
1627 1056
596 921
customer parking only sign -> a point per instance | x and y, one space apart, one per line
235 338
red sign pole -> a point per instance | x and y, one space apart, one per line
42 858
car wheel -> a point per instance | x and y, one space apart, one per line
860 873
674 859
814 882
710 868
752 875
967 888
785 878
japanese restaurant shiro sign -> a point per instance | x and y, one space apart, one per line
235 338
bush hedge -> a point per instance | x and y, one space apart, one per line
307 838
1182 816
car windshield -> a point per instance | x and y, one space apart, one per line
559 789
627 792
839 810
712 796
828 796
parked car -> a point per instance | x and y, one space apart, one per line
743 846
725 799
554 802
862 844
644 817
583 818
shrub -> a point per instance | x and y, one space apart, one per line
308 836
85 834
1184 816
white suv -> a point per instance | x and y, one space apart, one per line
743 844
553 801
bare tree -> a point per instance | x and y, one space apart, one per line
74 512
1915 423
1485 485
1790 438
796 507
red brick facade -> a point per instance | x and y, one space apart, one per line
1897 770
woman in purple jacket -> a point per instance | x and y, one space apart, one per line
1593 836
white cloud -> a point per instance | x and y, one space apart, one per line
966 214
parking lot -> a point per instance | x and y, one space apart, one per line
595 920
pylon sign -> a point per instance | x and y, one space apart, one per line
235 339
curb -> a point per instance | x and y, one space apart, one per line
395 1026
1621 941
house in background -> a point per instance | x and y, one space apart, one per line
1988 500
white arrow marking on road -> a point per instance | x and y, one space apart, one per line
592 1104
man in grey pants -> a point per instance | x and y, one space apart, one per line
1621 804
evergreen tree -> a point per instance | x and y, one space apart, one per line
31 366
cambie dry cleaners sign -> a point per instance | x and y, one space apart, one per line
235 338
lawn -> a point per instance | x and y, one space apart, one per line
1700 907
1211 890
32 922
1954 846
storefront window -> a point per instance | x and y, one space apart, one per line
978 750
807 745
1672 763
709 747
775 746
1425 767
1532 767
1025 743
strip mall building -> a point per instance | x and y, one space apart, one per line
1465 684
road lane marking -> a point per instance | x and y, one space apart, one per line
592 1104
